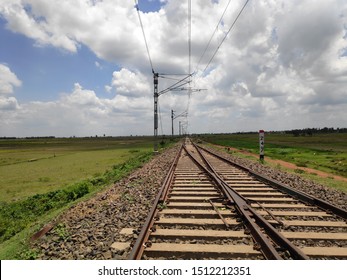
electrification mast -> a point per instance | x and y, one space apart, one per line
156 95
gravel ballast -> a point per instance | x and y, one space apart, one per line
87 230
333 196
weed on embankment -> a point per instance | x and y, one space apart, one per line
17 216
325 152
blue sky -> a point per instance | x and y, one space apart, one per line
149 5
43 69
81 67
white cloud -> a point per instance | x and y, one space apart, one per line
8 80
35 21
130 83
108 88
8 104
81 97
283 62
98 65
79 112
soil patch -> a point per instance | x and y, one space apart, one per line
289 165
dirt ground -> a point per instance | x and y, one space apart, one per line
292 165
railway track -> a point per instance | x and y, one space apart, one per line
211 208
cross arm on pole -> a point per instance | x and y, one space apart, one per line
183 115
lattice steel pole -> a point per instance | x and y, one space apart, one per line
155 77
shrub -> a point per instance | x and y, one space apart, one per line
301 164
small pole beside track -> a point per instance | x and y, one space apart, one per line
261 145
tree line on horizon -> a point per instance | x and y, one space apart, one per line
295 132
311 131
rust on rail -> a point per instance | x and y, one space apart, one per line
140 243
200 183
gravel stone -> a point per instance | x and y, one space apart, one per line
92 226
333 196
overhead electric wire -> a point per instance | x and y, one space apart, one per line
180 83
189 55
144 34
226 35
189 34
176 88
163 74
214 32
168 78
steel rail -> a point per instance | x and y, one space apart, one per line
219 214
259 228
140 243
245 209
266 247
326 206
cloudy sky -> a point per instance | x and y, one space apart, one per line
81 67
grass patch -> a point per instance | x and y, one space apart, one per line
162 206
299 171
15 216
60 162
301 163
62 231
331 182
325 152
19 216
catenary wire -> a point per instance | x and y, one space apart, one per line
189 54
144 34
214 32
226 35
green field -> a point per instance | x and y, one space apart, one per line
34 166
39 178
325 152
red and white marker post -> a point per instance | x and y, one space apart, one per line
261 144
